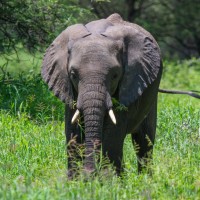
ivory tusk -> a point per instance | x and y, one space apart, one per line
112 116
75 117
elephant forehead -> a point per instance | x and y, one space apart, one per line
94 57
93 49
87 45
95 43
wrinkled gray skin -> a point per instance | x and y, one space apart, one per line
91 64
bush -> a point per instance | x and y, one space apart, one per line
28 93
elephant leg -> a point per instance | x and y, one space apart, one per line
113 148
75 143
143 139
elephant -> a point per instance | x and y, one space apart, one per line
88 67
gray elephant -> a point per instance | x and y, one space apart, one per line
93 63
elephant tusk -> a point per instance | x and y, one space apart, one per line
75 117
112 116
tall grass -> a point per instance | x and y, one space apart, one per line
28 94
32 145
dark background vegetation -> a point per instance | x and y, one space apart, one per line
35 23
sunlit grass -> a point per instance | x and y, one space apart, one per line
33 157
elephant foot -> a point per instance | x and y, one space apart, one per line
72 174
88 173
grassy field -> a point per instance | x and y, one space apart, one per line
32 145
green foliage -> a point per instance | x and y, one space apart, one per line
32 145
36 23
28 94
20 61
181 75
118 106
175 24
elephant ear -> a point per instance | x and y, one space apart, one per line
55 63
142 59
142 66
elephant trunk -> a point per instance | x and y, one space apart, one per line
93 108
93 119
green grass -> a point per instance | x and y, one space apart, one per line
32 145
21 61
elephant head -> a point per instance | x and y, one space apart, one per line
92 63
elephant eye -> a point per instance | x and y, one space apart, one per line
114 76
